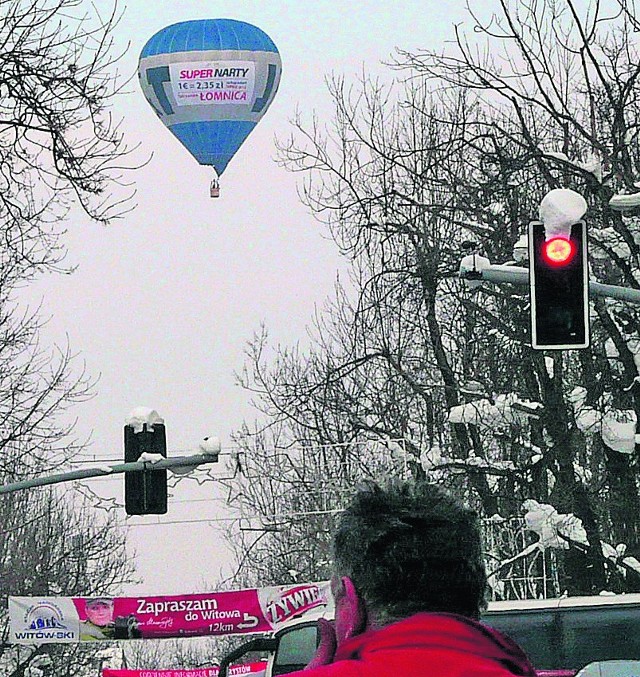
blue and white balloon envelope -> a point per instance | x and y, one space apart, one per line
210 81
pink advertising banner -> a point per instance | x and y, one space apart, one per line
257 669
42 620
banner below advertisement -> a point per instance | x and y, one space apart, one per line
65 620
257 669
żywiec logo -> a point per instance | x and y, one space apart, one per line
293 602
44 620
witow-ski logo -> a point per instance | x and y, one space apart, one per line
44 620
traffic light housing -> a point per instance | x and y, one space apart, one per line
559 284
145 491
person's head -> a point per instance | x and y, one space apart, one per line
404 548
99 610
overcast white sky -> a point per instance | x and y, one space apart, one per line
163 301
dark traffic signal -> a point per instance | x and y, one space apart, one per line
145 491
559 284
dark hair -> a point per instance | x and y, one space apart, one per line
410 547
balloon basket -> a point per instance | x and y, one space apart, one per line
214 190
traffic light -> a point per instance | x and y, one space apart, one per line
145 491
559 284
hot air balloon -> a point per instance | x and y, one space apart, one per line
210 81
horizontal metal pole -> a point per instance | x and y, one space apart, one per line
103 470
614 292
520 276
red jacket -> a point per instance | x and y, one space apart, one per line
425 645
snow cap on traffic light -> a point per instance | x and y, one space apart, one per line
559 210
143 416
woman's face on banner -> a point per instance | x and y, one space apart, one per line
100 611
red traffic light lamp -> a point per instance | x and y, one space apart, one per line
558 251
